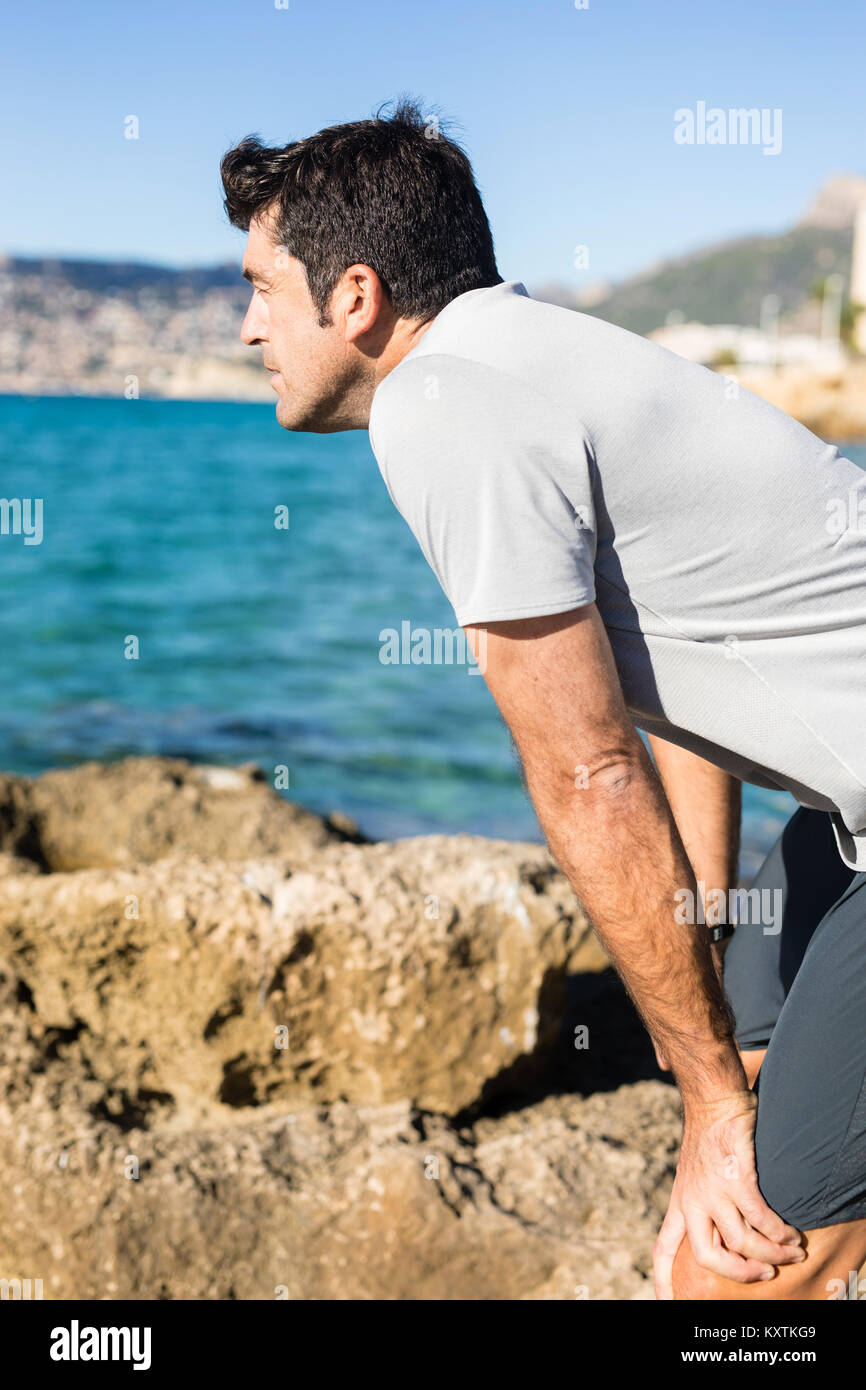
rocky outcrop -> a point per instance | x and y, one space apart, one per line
139 809
427 969
244 1056
831 403
557 1199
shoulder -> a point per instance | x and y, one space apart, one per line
421 377
442 398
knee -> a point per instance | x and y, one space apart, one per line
809 1280
693 1283
690 1281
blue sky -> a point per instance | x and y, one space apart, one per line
567 114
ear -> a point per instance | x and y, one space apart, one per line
358 301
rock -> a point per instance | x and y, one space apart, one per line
559 1200
137 810
430 969
14 864
19 837
836 203
831 403
165 929
346 827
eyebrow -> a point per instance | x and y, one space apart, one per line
251 274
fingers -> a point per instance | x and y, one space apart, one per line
763 1219
717 1202
740 1238
710 1254
667 1244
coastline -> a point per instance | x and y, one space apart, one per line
829 401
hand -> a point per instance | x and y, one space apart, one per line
717 1203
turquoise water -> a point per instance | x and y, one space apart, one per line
254 643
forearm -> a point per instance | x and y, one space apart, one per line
707 806
607 820
620 847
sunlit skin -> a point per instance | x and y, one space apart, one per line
324 377
833 1253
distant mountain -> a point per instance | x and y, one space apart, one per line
726 283
836 202
81 327
126 277
124 328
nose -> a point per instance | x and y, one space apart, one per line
255 325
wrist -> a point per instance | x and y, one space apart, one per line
718 1083
706 1109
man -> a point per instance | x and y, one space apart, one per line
638 546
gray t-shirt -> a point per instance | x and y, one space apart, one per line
544 458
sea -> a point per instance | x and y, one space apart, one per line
206 585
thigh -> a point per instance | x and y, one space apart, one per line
810 1138
834 1255
800 879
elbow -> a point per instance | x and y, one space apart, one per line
612 774
615 780
589 791
588 816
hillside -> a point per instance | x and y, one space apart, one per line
76 327
81 327
726 282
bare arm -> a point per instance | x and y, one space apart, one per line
706 803
607 821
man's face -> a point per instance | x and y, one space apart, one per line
312 367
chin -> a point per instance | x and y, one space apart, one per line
289 419
310 420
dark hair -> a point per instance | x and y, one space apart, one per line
395 194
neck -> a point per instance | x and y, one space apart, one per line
405 335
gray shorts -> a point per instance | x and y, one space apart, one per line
796 979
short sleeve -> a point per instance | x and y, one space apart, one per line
494 481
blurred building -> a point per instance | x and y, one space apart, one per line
715 344
858 276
